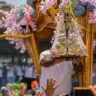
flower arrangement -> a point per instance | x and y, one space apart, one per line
78 6
20 17
16 22
67 42
92 17
47 4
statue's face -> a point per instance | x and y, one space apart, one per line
67 17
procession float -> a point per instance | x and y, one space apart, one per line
71 23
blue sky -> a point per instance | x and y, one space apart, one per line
15 2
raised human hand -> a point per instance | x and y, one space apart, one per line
22 89
13 94
39 94
50 87
9 87
93 89
62 94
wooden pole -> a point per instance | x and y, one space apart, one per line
33 50
21 36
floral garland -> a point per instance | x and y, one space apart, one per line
47 4
92 17
91 6
79 10
15 21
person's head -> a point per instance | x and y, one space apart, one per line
29 65
74 59
10 64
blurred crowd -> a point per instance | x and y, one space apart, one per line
10 73
49 90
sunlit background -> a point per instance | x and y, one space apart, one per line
15 2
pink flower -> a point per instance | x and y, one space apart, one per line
10 21
33 26
47 4
1 24
92 17
63 3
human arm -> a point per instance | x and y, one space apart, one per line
42 94
93 89
62 94
46 63
13 94
10 92
39 94
22 90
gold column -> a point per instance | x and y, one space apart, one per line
82 22
86 75
88 64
